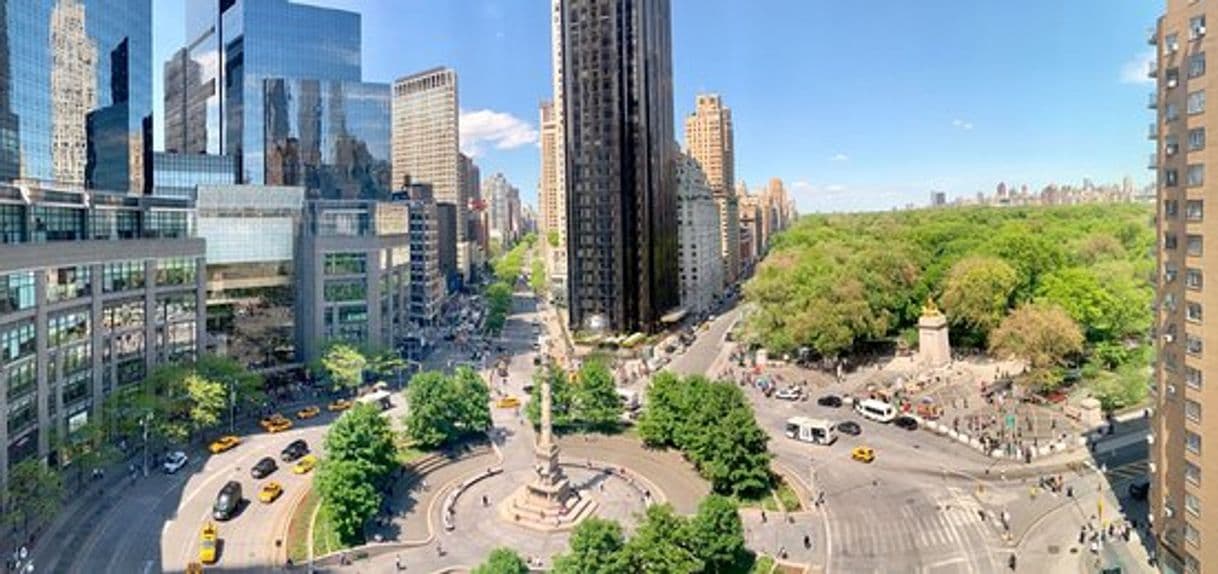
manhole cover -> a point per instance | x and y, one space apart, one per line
1054 549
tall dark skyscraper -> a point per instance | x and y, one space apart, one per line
616 81
276 85
75 92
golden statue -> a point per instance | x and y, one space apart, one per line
930 309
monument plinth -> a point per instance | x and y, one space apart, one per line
934 349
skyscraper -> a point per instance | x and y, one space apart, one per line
1183 510
426 139
698 232
552 198
617 105
501 196
710 139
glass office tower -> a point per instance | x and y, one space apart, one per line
75 92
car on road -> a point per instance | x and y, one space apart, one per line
906 422
789 394
227 501
863 454
830 401
1139 490
849 427
280 425
264 467
175 461
305 464
339 405
208 539
269 492
508 403
223 443
308 412
294 450
270 421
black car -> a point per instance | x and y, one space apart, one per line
264 467
830 401
1139 490
907 423
228 501
849 427
294 450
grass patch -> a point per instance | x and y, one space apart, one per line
787 496
763 565
770 503
325 539
298 527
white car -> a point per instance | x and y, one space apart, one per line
789 394
175 461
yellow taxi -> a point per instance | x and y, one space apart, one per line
207 543
863 454
194 568
269 492
271 420
508 403
279 426
339 405
308 412
223 443
305 464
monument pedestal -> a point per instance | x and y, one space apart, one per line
934 349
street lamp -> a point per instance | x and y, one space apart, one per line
232 408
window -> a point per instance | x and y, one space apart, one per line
1192 410
1171 112
1169 301
1193 311
1192 442
1196 139
122 276
21 378
1171 145
1173 80
1192 473
16 291
1196 27
1191 535
1196 175
1194 345
1171 42
1192 504
1193 209
68 328
1196 102
346 263
1171 208
1170 177
121 315
1192 377
1192 278
175 308
1196 65
1169 241
12 224
346 290
1170 272
67 283
17 341
1195 247
175 271
1191 565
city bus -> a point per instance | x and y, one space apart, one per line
815 431
878 411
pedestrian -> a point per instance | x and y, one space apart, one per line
807 541
1082 535
397 561
763 517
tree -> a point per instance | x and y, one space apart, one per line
562 397
1078 291
446 408
347 491
35 494
717 535
248 386
537 277
665 410
595 402
552 237
384 364
473 402
363 435
659 544
596 548
208 400
344 366
502 561
977 292
1043 336
1125 387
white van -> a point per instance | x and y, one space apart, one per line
815 431
878 411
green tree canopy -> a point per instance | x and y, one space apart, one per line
349 495
977 292
363 435
445 408
596 548
35 494
660 544
502 561
207 400
1042 335
344 366
717 535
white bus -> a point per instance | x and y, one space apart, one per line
878 411
815 431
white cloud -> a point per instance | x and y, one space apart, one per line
1134 70
835 188
839 157
481 128
966 126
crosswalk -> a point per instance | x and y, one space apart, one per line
910 529
1128 471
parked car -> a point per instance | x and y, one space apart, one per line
830 401
264 467
906 422
790 394
294 450
175 461
849 427
227 501
223 443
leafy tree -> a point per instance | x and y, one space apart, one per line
1078 291
665 410
232 374
562 397
977 292
208 399
502 561
1041 335
1122 388
87 448
659 546
595 402
596 548
344 366
474 397
716 535
552 238
537 277
35 494
347 491
363 435
446 408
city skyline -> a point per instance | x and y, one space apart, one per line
839 153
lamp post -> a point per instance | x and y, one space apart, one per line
232 407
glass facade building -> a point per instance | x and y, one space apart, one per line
276 85
76 92
180 174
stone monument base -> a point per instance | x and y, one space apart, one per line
546 508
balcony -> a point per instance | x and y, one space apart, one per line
1153 162
1153 101
1153 132
1152 69
1152 36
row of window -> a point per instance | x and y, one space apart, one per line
1194 176
1194 243
1196 142
1194 209
1193 278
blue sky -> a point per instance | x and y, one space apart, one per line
860 104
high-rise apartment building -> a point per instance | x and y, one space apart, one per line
710 139
698 230
504 201
75 93
426 140
470 176
1183 497
620 183
277 85
552 204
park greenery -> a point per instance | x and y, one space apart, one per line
502 561
713 425
586 401
343 366
34 494
445 408
361 456
537 277
710 541
1056 287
